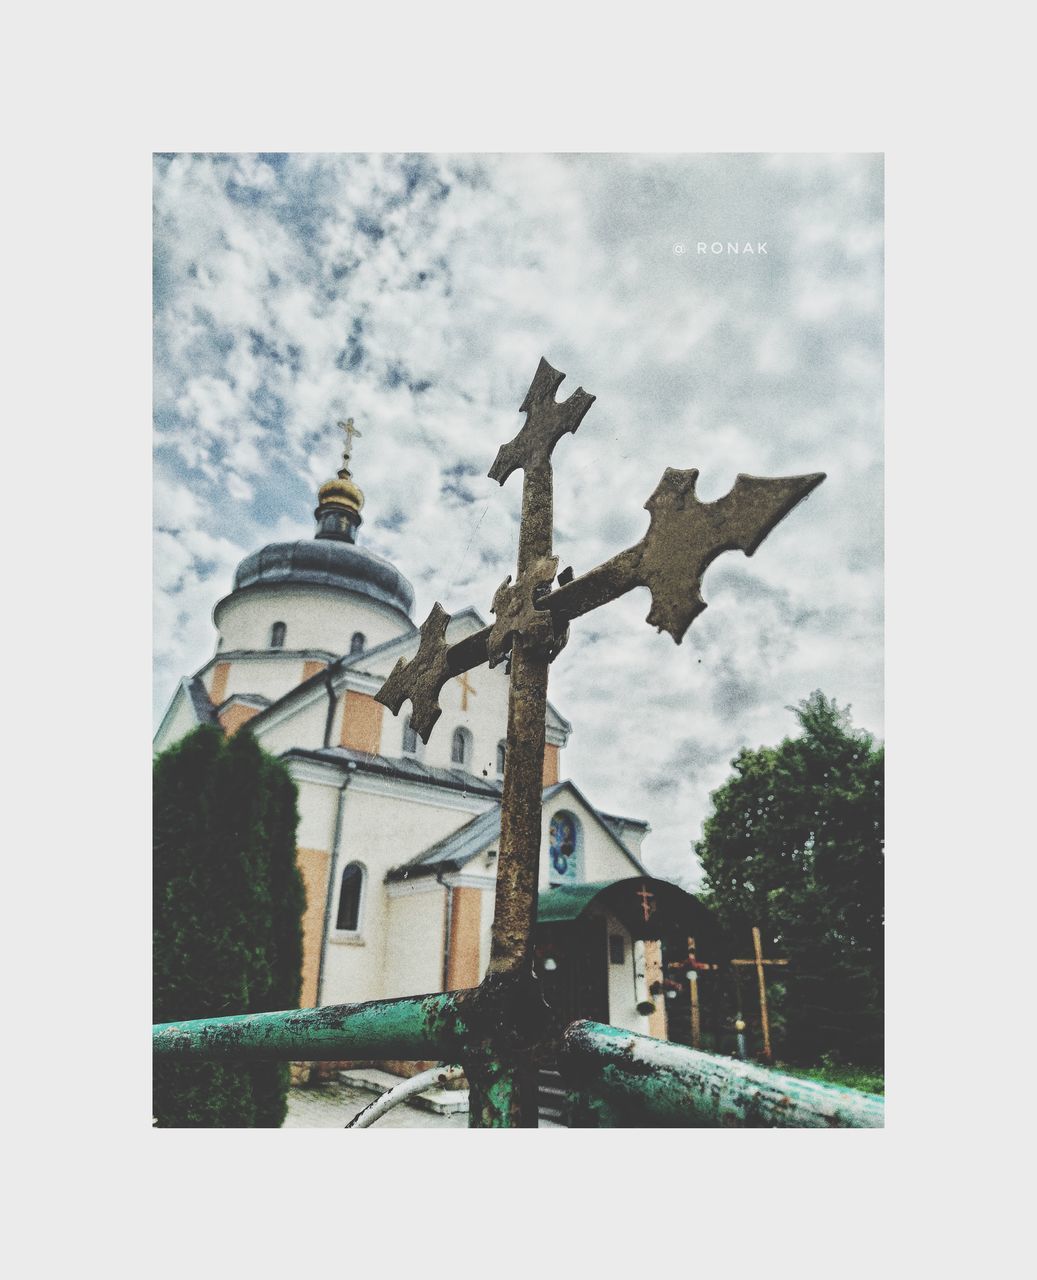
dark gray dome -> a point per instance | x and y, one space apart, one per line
326 563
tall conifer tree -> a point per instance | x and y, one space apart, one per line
228 900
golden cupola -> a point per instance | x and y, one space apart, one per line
339 500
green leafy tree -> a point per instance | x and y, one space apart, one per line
228 902
795 845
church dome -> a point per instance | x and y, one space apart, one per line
323 594
326 562
341 492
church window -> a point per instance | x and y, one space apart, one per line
277 634
502 747
348 917
617 949
461 748
356 645
564 849
410 739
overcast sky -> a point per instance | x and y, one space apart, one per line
417 294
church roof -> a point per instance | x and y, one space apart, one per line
459 848
454 850
619 825
326 563
405 768
670 907
200 701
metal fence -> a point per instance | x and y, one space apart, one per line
614 1078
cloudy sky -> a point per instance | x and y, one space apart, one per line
417 294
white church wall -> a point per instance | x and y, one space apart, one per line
633 837
485 718
413 958
318 807
179 721
303 728
380 829
272 677
392 826
477 702
353 962
600 857
315 617
622 994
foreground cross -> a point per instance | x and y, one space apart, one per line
531 627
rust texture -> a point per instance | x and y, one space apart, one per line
501 1031
547 421
530 629
423 677
619 1079
685 536
518 861
517 614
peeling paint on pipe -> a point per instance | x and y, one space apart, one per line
401 1092
652 1083
414 1027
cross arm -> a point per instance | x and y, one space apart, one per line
547 421
684 537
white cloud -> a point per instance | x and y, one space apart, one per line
418 293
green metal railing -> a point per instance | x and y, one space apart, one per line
615 1078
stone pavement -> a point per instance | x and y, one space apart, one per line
331 1106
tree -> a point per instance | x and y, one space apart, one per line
228 902
795 845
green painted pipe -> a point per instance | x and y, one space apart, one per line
654 1083
432 1026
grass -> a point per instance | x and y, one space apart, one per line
867 1079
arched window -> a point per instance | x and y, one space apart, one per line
356 645
410 739
461 748
565 847
277 634
502 747
348 917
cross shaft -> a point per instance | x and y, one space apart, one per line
531 627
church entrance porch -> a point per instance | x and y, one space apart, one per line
599 948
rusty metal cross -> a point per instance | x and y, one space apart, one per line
531 625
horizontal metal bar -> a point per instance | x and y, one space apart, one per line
683 1088
432 1026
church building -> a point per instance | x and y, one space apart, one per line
397 842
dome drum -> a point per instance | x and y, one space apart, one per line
327 562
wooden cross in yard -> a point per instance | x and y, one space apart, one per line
758 961
691 968
533 613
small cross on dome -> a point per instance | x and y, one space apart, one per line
350 431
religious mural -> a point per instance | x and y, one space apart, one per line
562 850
